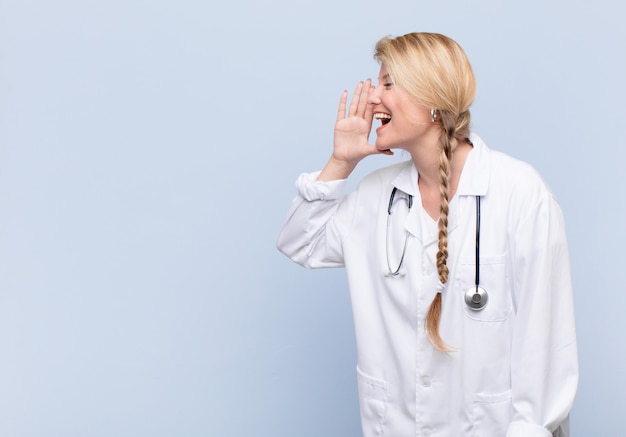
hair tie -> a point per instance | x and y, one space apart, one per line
440 287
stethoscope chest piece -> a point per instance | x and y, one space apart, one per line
476 298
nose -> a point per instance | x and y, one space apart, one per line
373 96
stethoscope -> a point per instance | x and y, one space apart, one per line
476 297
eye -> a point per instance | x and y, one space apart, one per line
388 85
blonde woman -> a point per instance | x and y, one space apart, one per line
457 259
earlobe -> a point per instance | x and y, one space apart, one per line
433 115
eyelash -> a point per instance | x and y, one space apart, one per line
388 85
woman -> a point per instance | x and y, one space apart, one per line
457 259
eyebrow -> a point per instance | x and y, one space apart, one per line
385 77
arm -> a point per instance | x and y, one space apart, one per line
544 369
310 235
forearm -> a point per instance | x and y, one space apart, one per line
336 170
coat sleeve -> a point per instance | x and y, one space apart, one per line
544 369
310 235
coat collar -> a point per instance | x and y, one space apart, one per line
474 181
476 171
474 177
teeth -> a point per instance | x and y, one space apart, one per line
381 116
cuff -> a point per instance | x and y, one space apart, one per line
311 189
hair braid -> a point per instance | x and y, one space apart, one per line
435 72
448 143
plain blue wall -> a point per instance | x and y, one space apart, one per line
147 156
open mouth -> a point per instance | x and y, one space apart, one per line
383 117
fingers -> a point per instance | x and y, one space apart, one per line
341 113
362 104
358 105
369 108
356 98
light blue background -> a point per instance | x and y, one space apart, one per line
147 156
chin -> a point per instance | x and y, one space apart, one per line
381 146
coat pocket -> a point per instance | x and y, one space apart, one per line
373 399
493 278
491 414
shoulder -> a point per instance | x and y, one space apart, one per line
515 186
518 176
373 190
506 174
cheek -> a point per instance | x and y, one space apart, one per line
416 114
419 118
420 123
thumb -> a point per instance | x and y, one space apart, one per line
373 150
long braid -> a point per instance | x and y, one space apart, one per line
448 143
434 70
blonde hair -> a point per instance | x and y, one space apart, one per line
434 70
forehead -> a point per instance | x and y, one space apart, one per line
383 73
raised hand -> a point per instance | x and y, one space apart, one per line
352 130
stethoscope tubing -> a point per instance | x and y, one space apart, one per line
395 272
477 274
476 297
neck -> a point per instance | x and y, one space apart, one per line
425 156
426 160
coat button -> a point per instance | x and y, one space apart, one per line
426 381
426 432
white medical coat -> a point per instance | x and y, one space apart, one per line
513 370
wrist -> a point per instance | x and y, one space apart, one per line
336 169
